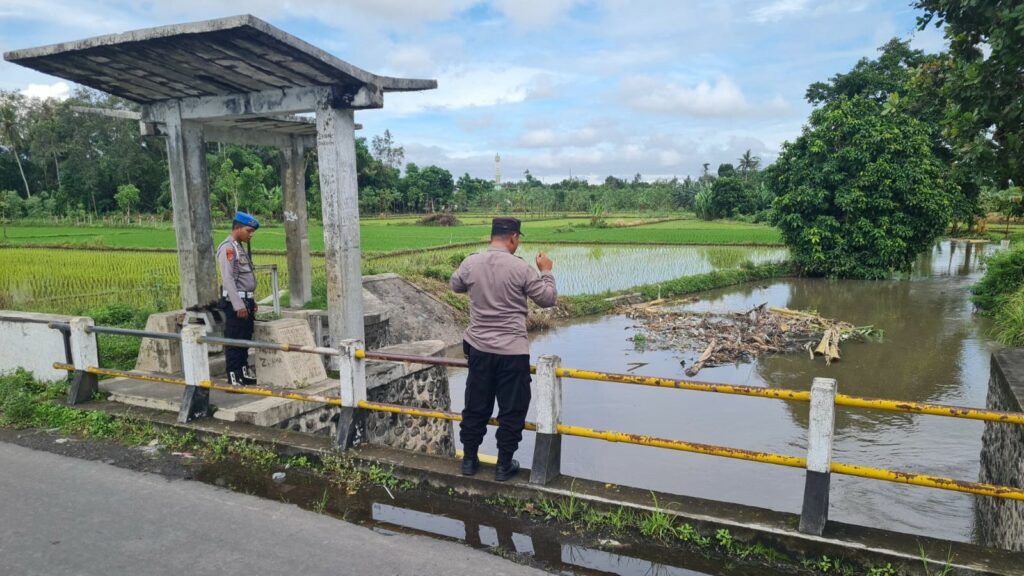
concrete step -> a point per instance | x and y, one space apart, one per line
258 410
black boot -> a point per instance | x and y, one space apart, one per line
505 471
248 376
470 465
235 378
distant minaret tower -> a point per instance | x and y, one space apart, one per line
497 170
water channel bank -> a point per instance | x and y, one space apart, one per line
934 350
666 535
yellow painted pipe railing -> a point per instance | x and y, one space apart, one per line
939 482
754 391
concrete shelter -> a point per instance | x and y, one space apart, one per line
239 79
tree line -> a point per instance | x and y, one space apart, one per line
58 161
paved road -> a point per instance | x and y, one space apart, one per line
64 516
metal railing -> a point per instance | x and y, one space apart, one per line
548 399
274 284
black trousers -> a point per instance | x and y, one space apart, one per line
505 378
240 328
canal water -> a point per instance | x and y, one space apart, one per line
934 350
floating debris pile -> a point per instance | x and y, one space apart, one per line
741 337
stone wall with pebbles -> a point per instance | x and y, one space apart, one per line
1000 521
413 385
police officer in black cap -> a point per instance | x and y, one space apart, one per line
237 300
496 344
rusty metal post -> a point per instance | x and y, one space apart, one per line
275 288
352 373
547 449
84 355
195 359
819 456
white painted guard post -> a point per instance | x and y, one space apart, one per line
819 456
195 359
352 373
547 449
84 354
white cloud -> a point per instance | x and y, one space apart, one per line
778 10
69 15
476 86
550 138
534 13
58 90
351 14
719 98
783 9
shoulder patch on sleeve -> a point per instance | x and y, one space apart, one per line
230 253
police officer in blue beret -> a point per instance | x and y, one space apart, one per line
237 300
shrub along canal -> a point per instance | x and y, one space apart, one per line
934 350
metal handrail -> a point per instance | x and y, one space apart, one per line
903 406
943 483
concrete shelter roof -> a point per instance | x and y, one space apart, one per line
234 55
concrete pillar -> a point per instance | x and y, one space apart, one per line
547 449
819 456
84 355
352 374
339 192
190 194
296 223
195 359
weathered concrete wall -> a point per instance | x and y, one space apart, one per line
1001 522
375 323
287 369
162 356
31 345
413 313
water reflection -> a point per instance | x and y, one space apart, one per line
934 350
597 269
479 526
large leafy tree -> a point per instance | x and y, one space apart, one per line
983 78
859 194
912 81
874 79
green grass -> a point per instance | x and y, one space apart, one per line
386 235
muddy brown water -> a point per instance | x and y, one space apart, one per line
934 350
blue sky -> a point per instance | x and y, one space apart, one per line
557 87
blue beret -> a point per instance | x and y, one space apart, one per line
247 220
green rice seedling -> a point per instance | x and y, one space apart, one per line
657 522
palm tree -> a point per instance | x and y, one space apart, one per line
9 130
748 163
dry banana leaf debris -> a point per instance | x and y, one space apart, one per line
739 337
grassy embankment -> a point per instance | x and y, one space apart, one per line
1000 294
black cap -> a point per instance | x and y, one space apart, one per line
501 226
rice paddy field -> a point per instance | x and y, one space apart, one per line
393 234
76 272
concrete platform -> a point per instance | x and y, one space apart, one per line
256 410
273 411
